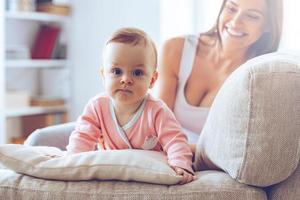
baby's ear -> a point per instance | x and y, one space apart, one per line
153 79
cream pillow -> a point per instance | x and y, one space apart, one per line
126 165
253 130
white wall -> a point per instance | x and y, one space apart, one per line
2 71
206 13
291 27
180 17
93 22
177 18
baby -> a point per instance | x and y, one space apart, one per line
126 116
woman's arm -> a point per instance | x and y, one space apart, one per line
169 64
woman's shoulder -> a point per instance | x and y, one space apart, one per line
174 45
170 55
172 48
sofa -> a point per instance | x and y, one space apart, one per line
249 148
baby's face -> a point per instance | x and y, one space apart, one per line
128 72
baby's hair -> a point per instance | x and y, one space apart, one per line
133 36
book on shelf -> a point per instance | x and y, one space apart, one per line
52 8
45 41
43 1
27 5
59 51
46 101
17 140
55 2
33 122
20 5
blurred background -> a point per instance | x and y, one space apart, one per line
50 50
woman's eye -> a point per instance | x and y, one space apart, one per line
116 71
253 17
231 9
137 72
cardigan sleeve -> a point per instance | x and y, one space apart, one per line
173 140
87 130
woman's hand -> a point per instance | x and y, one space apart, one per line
186 176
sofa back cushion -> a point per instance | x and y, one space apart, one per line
52 163
54 136
253 128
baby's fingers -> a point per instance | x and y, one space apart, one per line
186 178
179 171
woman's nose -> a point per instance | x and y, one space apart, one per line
237 19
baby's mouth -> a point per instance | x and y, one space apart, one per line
124 90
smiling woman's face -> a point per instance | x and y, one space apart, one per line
242 23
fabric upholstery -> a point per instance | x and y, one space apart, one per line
137 165
252 131
288 189
210 185
55 136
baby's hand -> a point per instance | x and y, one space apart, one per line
186 176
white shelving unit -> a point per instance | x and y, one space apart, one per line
34 111
35 63
35 16
20 28
2 82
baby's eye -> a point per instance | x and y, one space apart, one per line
116 71
137 72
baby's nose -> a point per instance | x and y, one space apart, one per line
126 80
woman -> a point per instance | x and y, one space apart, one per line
193 68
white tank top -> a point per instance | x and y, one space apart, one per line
192 118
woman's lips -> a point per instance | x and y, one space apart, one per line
234 33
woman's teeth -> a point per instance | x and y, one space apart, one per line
234 33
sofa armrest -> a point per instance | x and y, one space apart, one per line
252 130
56 136
286 190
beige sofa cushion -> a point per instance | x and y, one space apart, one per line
288 189
137 165
252 131
209 185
